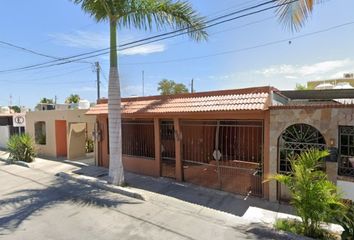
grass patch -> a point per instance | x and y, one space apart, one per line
295 227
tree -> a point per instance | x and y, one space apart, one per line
302 87
314 197
168 87
294 14
15 108
46 100
73 98
141 14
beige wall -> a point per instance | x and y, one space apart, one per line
326 120
49 117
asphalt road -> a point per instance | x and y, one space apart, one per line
37 205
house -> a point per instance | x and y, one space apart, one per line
7 128
213 139
346 82
314 119
231 140
60 134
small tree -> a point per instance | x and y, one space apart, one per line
314 197
46 100
15 108
168 87
73 98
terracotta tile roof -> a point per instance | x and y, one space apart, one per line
228 100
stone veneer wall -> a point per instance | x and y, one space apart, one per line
326 120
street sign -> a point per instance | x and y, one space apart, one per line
19 120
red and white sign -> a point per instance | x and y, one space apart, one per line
19 120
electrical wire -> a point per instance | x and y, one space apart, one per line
153 38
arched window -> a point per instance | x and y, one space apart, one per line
296 139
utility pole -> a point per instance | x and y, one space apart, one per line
10 102
55 99
192 85
143 79
97 64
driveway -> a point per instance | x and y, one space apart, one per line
37 205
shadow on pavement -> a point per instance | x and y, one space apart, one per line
218 200
21 205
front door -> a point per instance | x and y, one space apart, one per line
60 138
168 157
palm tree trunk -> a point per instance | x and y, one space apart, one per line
116 172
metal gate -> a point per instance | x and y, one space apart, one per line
225 155
168 156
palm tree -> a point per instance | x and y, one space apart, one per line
73 98
141 14
293 14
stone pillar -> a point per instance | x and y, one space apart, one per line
157 139
332 171
178 150
332 163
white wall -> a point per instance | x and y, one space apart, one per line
347 189
4 136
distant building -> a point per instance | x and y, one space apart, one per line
346 82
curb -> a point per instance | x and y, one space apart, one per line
100 184
19 163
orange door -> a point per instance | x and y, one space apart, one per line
60 137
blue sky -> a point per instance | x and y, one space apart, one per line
61 29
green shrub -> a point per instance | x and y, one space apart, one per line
296 227
21 148
314 197
347 222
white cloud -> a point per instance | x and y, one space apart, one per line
321 69
144 50
285 76
100 40
82 39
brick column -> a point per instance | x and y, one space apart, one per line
178 149
157 139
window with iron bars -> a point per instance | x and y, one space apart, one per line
138 138
296 139
346 151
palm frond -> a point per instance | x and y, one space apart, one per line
294 14
147 14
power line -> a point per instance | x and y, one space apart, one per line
247 48
49 77
173 33
33 51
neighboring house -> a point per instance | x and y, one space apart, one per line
6 126
60 134
314 119
232 140
339 83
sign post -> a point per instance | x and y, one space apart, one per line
19 120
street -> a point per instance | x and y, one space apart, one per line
38 205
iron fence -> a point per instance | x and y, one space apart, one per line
138 138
